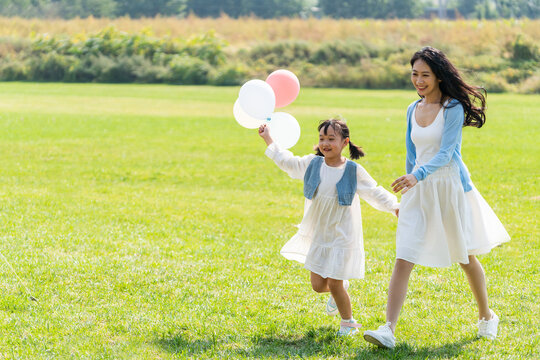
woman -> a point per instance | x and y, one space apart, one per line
442 218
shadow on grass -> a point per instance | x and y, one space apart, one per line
178 344
320 341
316 341
406 351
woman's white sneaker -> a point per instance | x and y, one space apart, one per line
382 337
488 328
331 306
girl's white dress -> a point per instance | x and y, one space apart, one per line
329 240
439 223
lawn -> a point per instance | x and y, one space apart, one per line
148 224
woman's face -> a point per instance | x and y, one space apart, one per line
423 79
331 144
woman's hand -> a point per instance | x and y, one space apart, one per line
404 183
264 132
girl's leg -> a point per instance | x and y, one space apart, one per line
397 290
318 283
477 282
341 297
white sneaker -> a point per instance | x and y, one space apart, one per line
382 337
331 306
488 328
348 328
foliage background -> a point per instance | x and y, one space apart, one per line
501 55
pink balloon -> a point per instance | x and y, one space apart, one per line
285 85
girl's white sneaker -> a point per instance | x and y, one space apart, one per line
348 328
488 328
331 306
382 337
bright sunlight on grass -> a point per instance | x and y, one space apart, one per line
148 225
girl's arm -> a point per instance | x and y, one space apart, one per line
376 196
294 166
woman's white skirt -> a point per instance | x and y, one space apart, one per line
439 223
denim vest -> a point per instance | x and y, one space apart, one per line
346 186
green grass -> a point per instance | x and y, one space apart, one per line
148 224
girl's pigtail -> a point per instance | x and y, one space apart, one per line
355 152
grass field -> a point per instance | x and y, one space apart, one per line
148 224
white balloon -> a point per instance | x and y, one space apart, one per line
257 99
244 119
284 129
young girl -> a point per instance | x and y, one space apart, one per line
329 240
443 219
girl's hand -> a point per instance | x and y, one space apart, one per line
404 183
396 212
264 132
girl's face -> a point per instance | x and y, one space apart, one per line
331 144
423 79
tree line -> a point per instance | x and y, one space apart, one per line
376 9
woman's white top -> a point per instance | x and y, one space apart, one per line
427 139
329 240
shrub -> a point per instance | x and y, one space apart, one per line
493 83
188 70
50 67
232 74
13 71
281 53
531 85
523 49
350 52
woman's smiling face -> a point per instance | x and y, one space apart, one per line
331 144
423 79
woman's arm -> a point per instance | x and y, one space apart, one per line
450 139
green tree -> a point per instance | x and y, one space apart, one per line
145 8
376 9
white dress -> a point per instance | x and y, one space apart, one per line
329 240
439 223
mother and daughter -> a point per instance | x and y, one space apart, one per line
442 218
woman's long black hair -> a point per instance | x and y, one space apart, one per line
452 86
340 127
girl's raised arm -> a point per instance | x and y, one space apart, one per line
294 166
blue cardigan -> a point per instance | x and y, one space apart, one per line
450 145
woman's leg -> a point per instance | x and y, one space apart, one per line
318 283
477 282
397 290
341 297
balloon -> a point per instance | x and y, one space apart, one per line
257 99
285 85
284 129
244 119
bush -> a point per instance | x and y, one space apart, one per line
531 85
523 49
13 71
350 52
188 70
232 74
282 53
50 67
494 83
